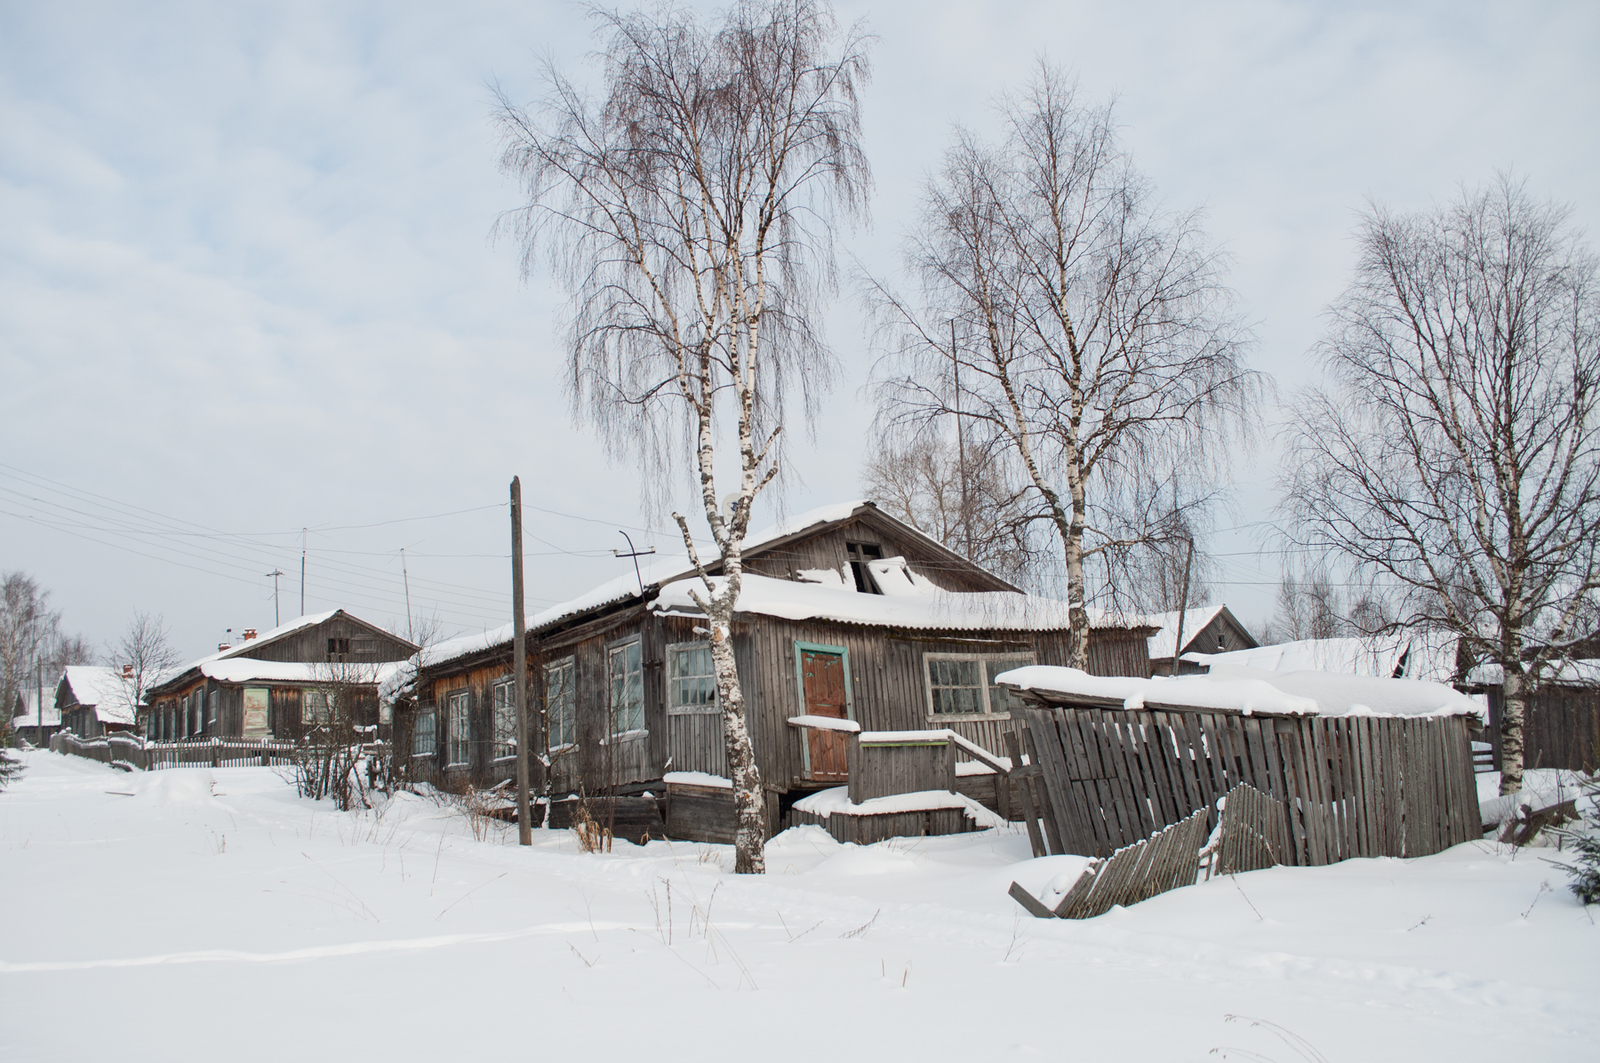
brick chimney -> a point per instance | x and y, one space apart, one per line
127 671
249 633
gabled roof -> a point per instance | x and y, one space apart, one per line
28 697
672 568
99 688
1163 642
235 665
932 609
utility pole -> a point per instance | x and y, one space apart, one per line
519 621
961 443
302 572
1183 607
38 667
406 576
277 620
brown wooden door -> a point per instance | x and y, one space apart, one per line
822 676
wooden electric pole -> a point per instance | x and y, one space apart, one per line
520 664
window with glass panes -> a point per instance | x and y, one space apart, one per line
458 728
314 706
425 734
691 678
505 719
625 672
561 703
962 684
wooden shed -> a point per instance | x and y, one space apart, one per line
845 614
1561 725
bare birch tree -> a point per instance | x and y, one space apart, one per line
1102 347
1455 452
689 210
28 630
144 654
962 496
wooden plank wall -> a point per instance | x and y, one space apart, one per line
1350 786
878 771
864 830
311 644
1561 728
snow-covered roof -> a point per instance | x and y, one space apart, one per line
1426 655
1584 673
927 608
29 716
102 689
670 568
1231 688
1164 641
297 624
248 670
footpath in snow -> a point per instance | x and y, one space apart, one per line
211 914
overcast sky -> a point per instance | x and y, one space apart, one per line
247 284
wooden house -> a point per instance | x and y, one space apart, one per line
34 717
848 619
1208 629
278 683
93 701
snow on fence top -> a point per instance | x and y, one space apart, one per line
1252 691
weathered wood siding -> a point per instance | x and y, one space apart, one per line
1347 786
311 644
827 550
1560 728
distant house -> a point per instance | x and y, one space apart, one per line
1208 629
29 722
278 683
94 701
848 620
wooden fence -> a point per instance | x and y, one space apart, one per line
136 754
1345 787
1165 861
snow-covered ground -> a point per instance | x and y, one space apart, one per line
197 914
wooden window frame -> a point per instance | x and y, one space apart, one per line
503 695
612 648
553 720
453 735
855 551
307 717
1021 657
674 709
430 730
